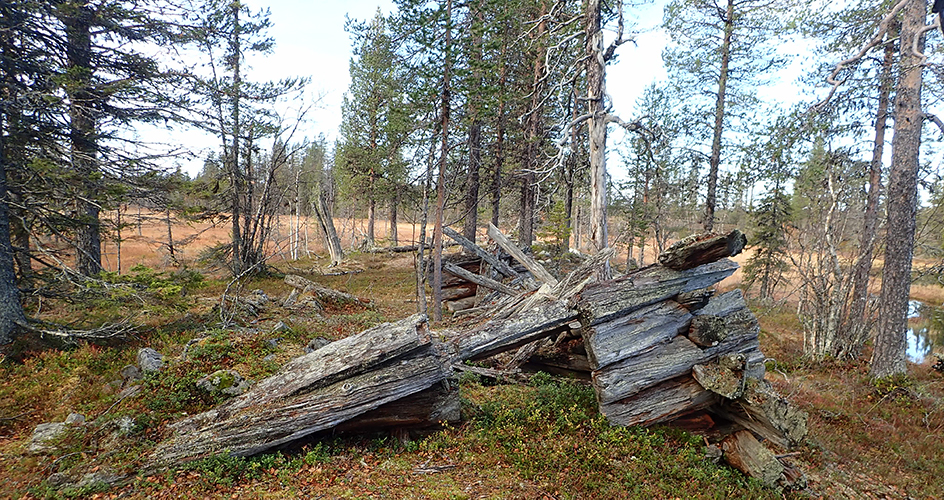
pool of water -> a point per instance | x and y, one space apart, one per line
925 331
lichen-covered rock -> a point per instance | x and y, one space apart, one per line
228 382
150 360
44 437
130 373
315 344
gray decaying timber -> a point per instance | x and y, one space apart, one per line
719 379
526 326
530 264
314 392
478 279
494 261
697 250
695 300
661 403
430 407
459 291
677 357
341 359
630 335
745 453
322 292
607 300
767 414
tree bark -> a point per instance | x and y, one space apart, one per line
715 159
82 135
441 181
326 224
11 309
888 358
857 328
596 86
475 129
529 188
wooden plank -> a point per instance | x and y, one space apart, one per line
258 428
479 279
701 249
459 291
524 327
661 403
630 335
339 360
495 262
604 301
530 264
319 291
675 358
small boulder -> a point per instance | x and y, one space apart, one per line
228 382
130 373
280 327
315 344
44 435
150 360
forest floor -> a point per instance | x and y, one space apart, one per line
539 440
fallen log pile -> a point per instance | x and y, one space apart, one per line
657 344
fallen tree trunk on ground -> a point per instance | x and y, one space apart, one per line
658 344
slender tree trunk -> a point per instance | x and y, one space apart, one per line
237 179
475 129
888 358
170 236
499 136
421 271
326 223
529 186
715 160
394 215
441 180
596 86
83 139
11 309
857 327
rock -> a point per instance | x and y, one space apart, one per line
273 342
130 373
150 360
315 344
281 326
291 299
45 435
270 357
75 419
227 382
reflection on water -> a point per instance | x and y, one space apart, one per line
925 330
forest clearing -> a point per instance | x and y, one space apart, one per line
538 249
519 436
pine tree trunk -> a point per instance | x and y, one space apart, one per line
11 309
83 140
596 94
475 131
394 215
441 181
888 358
715 160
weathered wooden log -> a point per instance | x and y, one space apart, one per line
427 408
605 301
459 291
745 453
479 279
341 359
314 392
258 428
701 249
498 264
524 327
695 300
320 292
661 403
530 264
460 304
677 357
642 330
767 414
719 379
